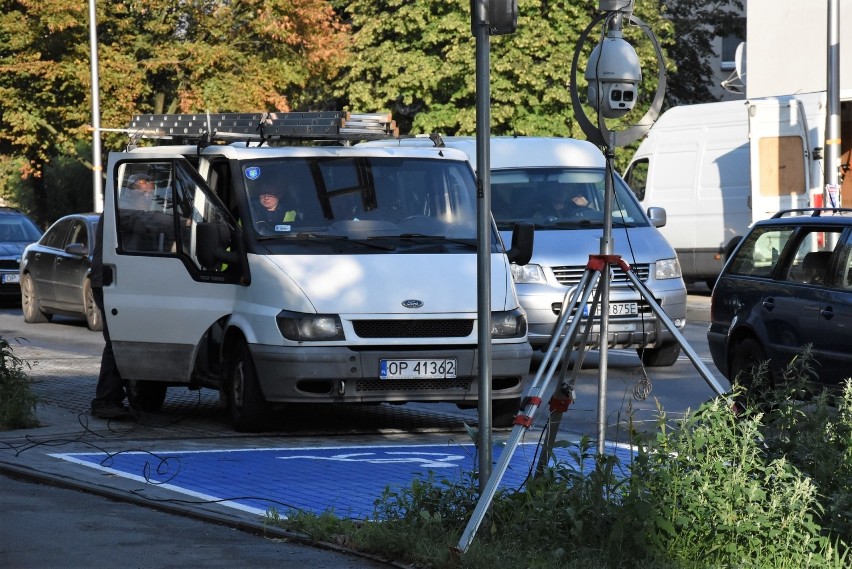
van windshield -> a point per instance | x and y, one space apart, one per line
355 199
560 198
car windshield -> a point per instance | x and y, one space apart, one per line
361 198
559 198
18 228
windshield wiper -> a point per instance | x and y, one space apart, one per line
442 238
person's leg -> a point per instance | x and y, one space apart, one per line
110 392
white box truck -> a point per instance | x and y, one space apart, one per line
362 289
718 167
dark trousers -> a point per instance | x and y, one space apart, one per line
111 387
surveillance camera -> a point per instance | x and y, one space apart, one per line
613 73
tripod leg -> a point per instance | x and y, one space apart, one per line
664 318
532 401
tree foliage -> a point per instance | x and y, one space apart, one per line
415 59
418 60
155 56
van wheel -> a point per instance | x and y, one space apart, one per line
503 412
247 408
147 395
30 305
94 318
663 356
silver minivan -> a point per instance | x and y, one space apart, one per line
558 185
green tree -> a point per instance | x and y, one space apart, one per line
155 56
417 59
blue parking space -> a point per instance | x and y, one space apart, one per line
346 480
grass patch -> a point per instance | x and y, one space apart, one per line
767 487
17 401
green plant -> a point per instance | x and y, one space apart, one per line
769 486
17 401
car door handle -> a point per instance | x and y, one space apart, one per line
769 304
827 313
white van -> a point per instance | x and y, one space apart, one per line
364 291
717 168
527 173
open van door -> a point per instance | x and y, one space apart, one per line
163 288
780 157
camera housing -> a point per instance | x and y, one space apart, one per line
613 73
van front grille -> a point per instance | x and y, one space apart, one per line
570 276
409 385
413 328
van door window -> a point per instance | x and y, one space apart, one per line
159 216
637 178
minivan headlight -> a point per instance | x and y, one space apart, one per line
301 327
667 269
509 324
527 273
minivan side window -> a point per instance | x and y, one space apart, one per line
637 178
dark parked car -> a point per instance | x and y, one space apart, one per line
55 272
16 232
788 284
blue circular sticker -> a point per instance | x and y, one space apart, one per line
253 173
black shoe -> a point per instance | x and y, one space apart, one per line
111 411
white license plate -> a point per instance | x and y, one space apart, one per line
11 278
619 309
418 369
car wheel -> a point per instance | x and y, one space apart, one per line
664 356
746 358
248 409
148 395
503 411
94 318
30 305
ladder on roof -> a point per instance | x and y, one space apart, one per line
231 127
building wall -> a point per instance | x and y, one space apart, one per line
786 50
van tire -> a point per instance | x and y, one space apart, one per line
30 305
247 407
147 395
664 356
503 412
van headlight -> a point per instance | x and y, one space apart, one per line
527 273
301 327
509 324
667 269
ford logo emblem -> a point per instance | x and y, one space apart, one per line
412 303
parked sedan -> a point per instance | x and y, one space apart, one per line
55 272
16 232
788 284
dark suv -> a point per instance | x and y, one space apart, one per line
788 284
16 232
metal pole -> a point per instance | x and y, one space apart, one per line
603 337
97 162
483 236
832 119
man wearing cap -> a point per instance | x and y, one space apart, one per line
140 193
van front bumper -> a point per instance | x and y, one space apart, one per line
624 331
342 374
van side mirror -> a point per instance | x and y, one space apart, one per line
657 215
522 243
212 242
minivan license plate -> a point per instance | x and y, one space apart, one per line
618 309
418 369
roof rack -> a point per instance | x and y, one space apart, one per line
813 211
231 127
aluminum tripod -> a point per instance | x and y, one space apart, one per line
598 266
